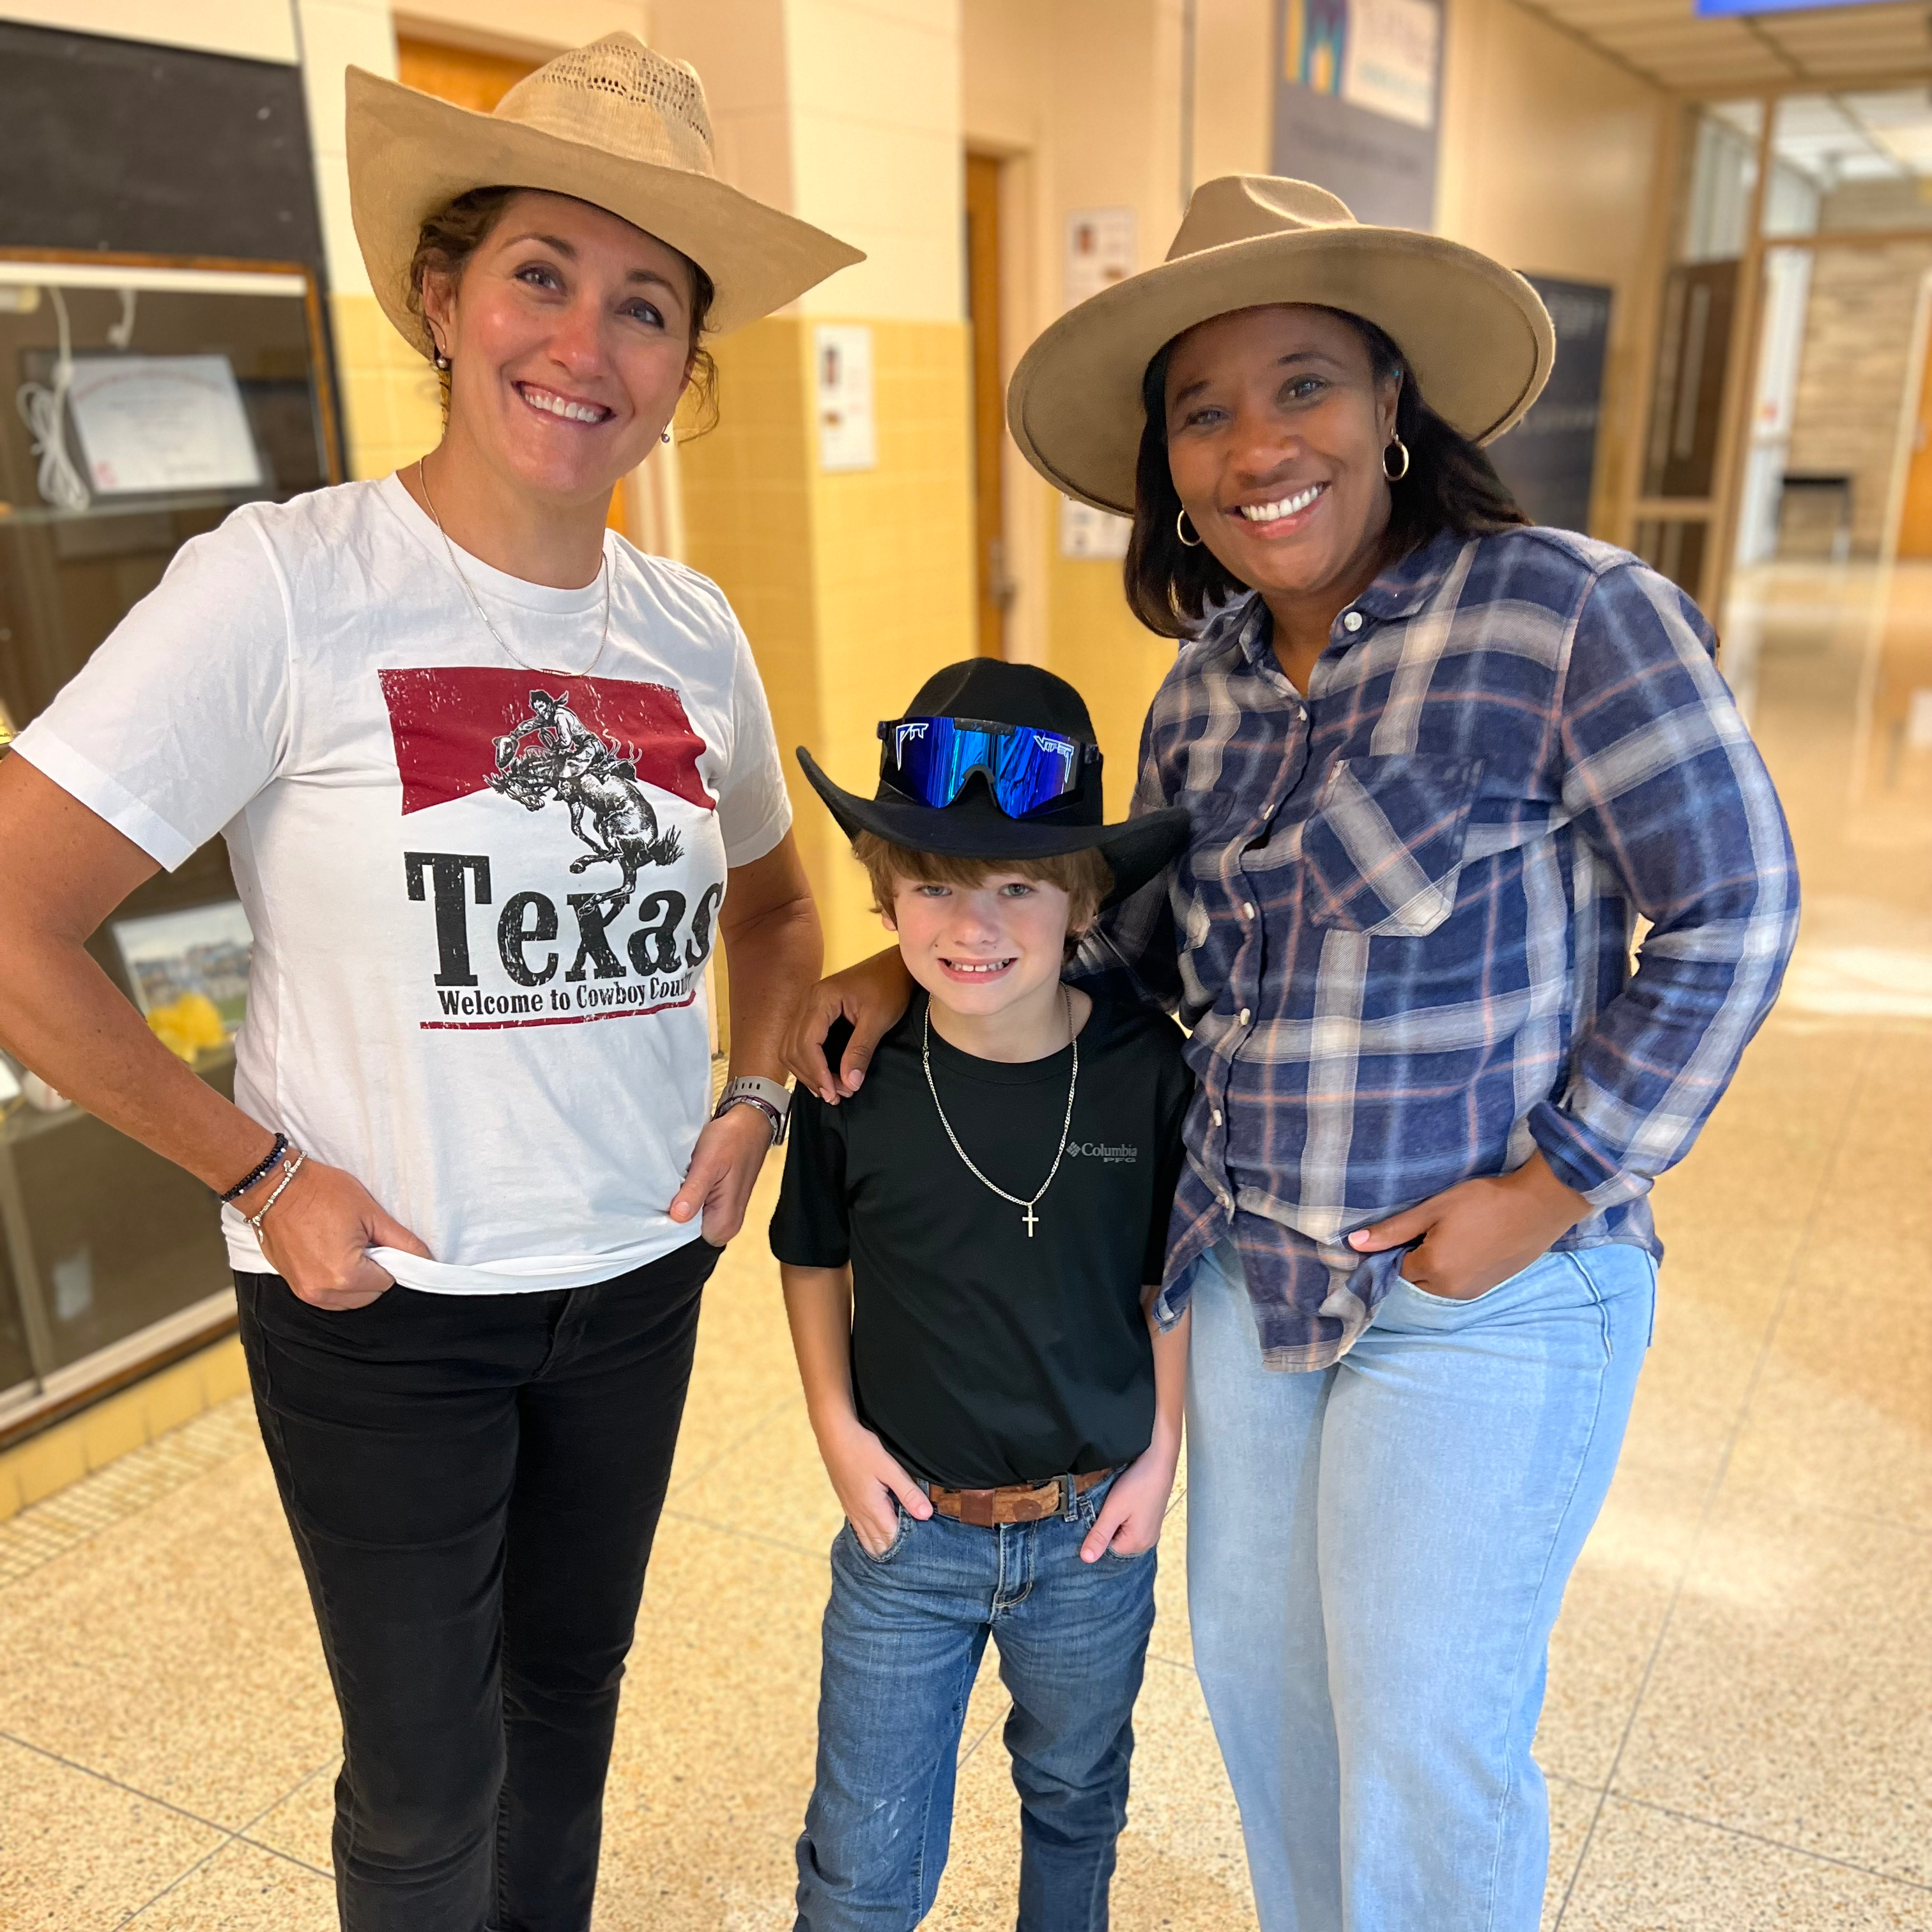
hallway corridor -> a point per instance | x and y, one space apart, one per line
1737 1732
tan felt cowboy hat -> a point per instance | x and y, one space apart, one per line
1476 333
612 124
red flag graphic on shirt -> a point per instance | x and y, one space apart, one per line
455 727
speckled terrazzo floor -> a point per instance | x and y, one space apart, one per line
1737 1734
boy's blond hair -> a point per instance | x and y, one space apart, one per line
1085 877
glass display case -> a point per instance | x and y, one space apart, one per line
147 398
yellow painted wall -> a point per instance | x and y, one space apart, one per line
853 587
1108 658
34 1469
391 415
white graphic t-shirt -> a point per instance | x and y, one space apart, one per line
482 896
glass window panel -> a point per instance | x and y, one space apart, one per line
1850 163
1721 171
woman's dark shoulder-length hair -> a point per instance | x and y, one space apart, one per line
1451 485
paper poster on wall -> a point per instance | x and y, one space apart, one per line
1099 251
1357 85
847 439
152 425
1085 531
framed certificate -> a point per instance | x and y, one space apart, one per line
148 425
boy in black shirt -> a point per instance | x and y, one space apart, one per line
971 1246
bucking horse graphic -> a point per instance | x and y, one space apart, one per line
570 765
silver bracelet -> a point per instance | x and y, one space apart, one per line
773 1118
289 1170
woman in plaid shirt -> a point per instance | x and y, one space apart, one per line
1438 764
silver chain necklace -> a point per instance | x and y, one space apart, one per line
1066 1126
476 603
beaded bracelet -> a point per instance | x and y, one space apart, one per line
288 1173
260 1171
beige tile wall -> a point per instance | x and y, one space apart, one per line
852 587
1852 381
33 1470
391 412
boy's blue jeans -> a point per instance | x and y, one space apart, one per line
904 1636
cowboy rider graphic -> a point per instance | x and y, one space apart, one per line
572 766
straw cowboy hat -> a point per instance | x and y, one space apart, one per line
612 124
1476 334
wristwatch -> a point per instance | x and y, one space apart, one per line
770 1097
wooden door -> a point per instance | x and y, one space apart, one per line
989 412
459 74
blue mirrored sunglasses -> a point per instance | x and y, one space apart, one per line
931 758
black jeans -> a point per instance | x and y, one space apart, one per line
473 1482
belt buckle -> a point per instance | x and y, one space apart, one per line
1068 1496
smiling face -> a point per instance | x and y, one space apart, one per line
982 949
569 333
1276 425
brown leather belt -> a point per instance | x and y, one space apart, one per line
1017 1502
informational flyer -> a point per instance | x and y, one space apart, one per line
848 435
1099 251
1358 88
1389 62
151 425
1085 531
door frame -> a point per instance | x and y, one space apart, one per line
1720 511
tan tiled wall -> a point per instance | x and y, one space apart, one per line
1099 647
852 587
34 1469
390 410
1852 379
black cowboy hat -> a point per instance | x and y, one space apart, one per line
972 827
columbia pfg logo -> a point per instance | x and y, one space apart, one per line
1116 1155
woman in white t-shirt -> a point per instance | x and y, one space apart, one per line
493 785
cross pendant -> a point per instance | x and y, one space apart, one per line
1032 1220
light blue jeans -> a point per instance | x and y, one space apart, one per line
1376 1556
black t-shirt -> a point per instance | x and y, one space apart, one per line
982 1355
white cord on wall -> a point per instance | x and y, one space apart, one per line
43 408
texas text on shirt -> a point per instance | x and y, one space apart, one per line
482 895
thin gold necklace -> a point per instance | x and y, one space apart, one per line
1066 1126
476 603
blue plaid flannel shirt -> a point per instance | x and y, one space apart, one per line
1400 934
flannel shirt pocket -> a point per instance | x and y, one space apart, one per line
1383 849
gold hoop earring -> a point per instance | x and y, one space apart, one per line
1396 475
1193 542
